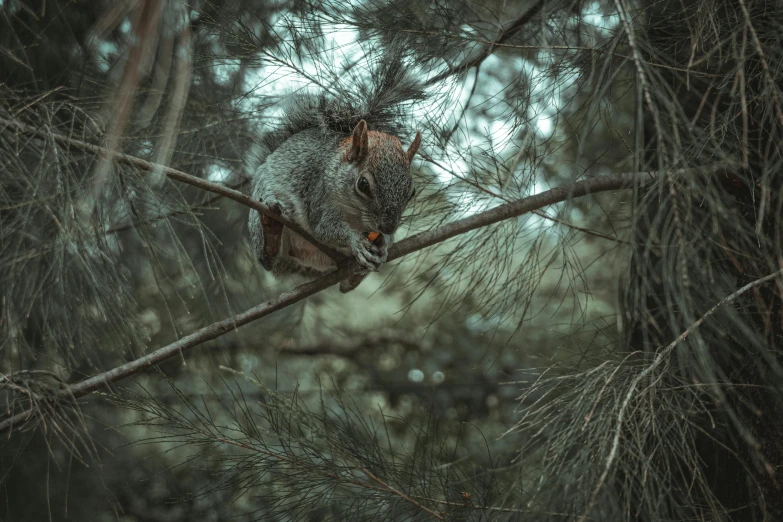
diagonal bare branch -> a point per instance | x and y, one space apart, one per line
403 248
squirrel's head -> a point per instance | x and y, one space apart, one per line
381 175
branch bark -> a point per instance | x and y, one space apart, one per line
403 248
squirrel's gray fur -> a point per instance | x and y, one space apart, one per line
310 168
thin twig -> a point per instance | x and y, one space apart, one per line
369 474
503 35
580 229
397 492
767 75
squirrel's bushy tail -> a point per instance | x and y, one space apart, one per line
381 100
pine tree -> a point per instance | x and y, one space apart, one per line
589 276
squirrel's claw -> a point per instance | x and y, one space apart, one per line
368 255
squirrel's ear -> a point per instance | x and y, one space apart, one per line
359 142
414 146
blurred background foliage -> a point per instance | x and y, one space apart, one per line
433 376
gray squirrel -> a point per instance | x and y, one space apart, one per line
338 170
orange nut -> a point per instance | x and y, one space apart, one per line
372 236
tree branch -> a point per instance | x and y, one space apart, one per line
403 248
183 177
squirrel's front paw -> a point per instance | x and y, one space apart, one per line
369 255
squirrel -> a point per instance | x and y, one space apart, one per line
337 169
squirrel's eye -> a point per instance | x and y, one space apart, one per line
363 186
